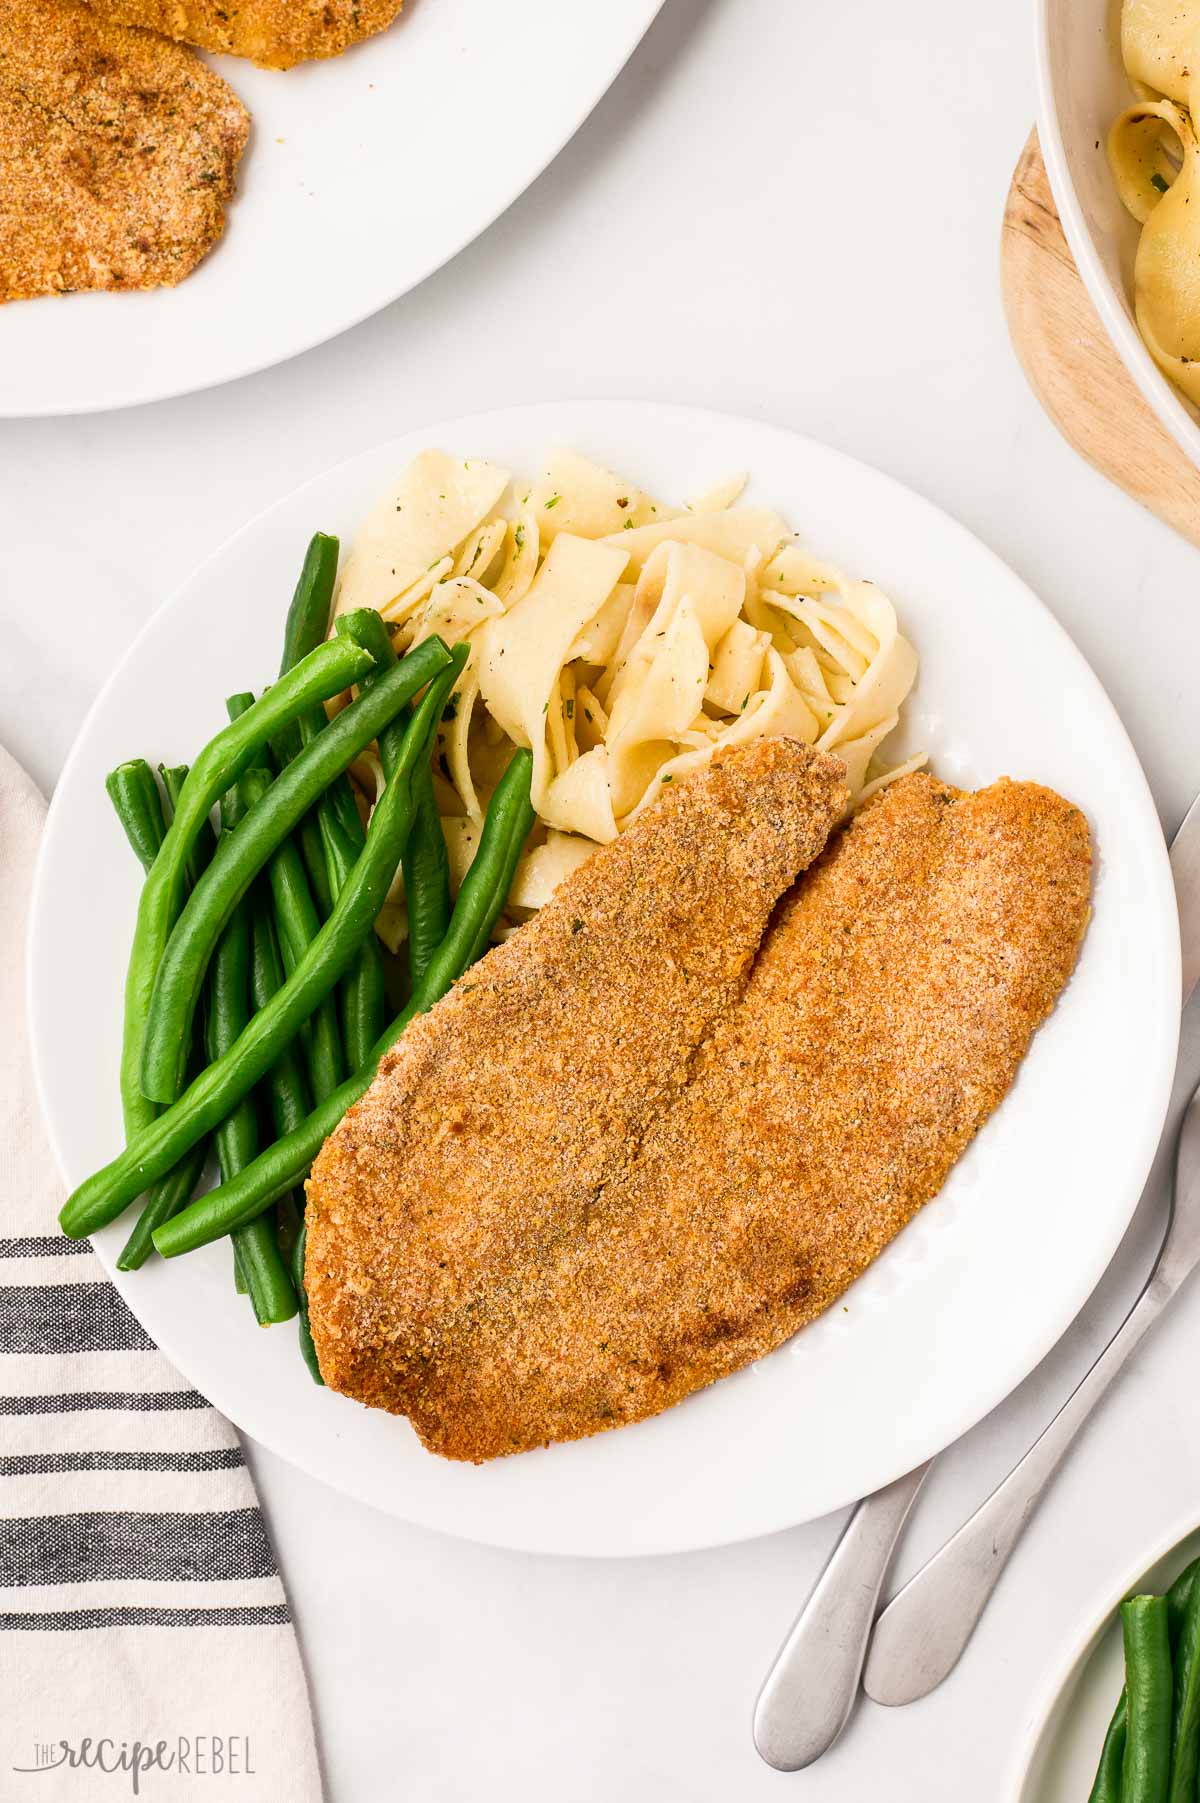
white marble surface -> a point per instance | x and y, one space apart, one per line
791 212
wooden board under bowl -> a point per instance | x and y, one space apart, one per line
1070 361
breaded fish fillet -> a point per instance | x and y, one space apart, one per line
117 153
886 1015
276 33
504 1112
885 1019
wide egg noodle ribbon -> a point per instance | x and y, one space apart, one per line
1152 154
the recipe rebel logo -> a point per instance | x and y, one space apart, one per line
192 1756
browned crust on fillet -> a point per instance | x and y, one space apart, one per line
885 1019
276 33
118 152
494 1127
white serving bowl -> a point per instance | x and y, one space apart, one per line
1082 86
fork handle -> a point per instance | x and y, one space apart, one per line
920 1636
810 1690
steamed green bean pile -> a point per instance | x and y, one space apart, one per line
255 1000
1151 1751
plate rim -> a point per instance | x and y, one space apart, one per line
1159 891
593 93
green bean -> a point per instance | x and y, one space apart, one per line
308 616
426 882
1107 1787
264 1272
426 862
363 993
1179 1599
219 1088
289 1103
366 628
311 837
285 1082
228 1012
307 1348
175 1190
267 1277
1185 1736
337 808
336 853
257 1263
308 832
299 922
219 764
307 626
513 849
242 854
482 896
339 828
205 844
1145 1772
288 1222
237 1136
312 850
163 1200
297 926
256 1255
134 794
236 707
307 623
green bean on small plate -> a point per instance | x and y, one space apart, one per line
1088 1742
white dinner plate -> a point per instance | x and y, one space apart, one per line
974 1292
1061 1752
364 174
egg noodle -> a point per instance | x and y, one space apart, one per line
1152 152
621 640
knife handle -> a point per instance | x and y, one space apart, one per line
921 1635
810 1690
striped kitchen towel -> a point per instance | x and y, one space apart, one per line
146 1646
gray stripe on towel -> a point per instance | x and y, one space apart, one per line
216 1545
260 1615
47 1245
37 1464
57 1318
69 1400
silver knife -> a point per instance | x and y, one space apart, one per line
810 1690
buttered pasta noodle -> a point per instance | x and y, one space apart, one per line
1153 155
622 640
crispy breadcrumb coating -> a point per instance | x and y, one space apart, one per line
117 150
511 1104
885 1017
276 33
